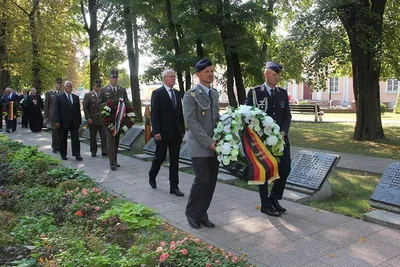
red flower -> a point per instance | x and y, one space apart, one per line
79 213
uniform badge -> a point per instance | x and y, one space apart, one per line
203 113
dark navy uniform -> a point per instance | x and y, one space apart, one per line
277 107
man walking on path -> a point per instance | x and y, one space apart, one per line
273 100
201 115
168 130
10 96
112 92
67 117
48 113
92 115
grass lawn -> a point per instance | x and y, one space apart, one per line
353 190
338 137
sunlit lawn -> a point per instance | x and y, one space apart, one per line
353 190
337 137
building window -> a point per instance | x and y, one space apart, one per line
392 85
334 85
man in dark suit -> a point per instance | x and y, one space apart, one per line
112 92
273 100
92 115
48 113
201 113
9 95
168 130
67 117
25 116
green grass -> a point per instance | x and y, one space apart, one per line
390 116
353 190
338 137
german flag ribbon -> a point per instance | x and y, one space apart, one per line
119 116
11 111
262 164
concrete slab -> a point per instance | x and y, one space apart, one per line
145 157
375 249
347 258
382 217
294 196
223 177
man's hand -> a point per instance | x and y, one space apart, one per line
89 121
57 124
283 135
157 137
212 146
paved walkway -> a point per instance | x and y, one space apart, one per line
303 236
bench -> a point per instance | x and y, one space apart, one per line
308 109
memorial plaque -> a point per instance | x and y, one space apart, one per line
388 189
150 147
83 124
130 137
86 134
311 169
184 154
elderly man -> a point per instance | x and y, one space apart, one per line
168 130
112 92
10 96
67 118
48 113
273 100
92 115
25 116
201 115
34 108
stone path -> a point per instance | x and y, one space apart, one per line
303 236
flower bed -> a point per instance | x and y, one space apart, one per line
70 221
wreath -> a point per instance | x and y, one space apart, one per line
17 110
109 111
261 131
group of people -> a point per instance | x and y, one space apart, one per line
31 105
200 111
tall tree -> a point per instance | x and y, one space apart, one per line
94 7
36 79
4 72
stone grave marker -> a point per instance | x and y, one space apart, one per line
150 147
130 137
387 193
310 172
184 155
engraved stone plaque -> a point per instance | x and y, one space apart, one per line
86 134
184 153
311 169
130 137
387 192
83 124
150 147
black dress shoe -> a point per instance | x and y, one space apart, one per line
113 168
55 150
175 190
104 154
207 223
153 183
117 165
78 158
64 158
195 224
7 130
93 155
278 206
270 210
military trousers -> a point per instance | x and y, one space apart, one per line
202 191
94 129
112 147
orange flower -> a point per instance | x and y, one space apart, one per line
79 213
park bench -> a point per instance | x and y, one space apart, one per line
313 109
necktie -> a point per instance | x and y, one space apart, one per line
209 93
70 99
173 97
272 94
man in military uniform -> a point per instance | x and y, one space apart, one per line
113 92
92 115
201 115
273 100
48 114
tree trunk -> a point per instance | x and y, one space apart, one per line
199 48
4 73
132 46
365 44
237 71
188 80
36 80
173 33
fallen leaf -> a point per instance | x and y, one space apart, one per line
362 239
258 207
332 255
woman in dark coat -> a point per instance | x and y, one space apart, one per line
34 108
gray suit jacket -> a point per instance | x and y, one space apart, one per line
201 117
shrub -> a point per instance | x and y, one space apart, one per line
7 221
8 198
61 174
31 229
383 108
69 185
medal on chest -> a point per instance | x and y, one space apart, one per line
203 113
